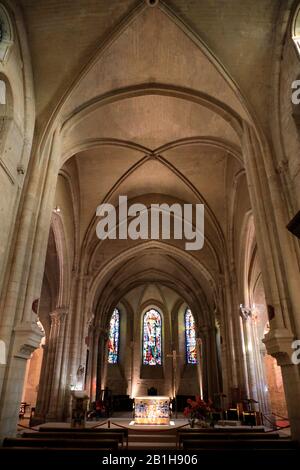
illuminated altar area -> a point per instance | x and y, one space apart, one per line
152 410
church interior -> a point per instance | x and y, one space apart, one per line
171 102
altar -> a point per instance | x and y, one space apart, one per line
152 410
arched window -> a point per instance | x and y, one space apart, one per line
190 337
152 338
113 338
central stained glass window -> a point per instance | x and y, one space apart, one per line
152 355
190 337
113 337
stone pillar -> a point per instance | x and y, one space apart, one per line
259 352
281 350
205 351
132 368
249 352
291 382
55 358
254 358
41 402
93 362
102 361
27 338
233 369
199 365
105 362
279 266
77 347
265 401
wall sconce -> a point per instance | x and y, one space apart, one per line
57 210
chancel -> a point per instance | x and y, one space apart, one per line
139 340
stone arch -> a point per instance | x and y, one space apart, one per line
17 116
103 275
252 148
295 28
177 23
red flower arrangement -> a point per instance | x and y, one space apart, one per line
198 409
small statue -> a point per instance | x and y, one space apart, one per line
79 377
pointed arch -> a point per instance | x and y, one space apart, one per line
65 106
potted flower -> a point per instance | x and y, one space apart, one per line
198 412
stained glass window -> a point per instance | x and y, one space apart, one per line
113 337
190 337
152 338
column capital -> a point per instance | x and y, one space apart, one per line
27 338
58 315
279 345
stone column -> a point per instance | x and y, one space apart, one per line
41 402
259 351
254 359
215 382
102 361
56 342
93 361
76 335
105 362
205 351
279 265
281 350
233 371
199 365
132 368
246 315
27 337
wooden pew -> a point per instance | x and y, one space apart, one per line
222 436
122 431
112 444
239 444
233 429
110 435
83 430
203 435
76 458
